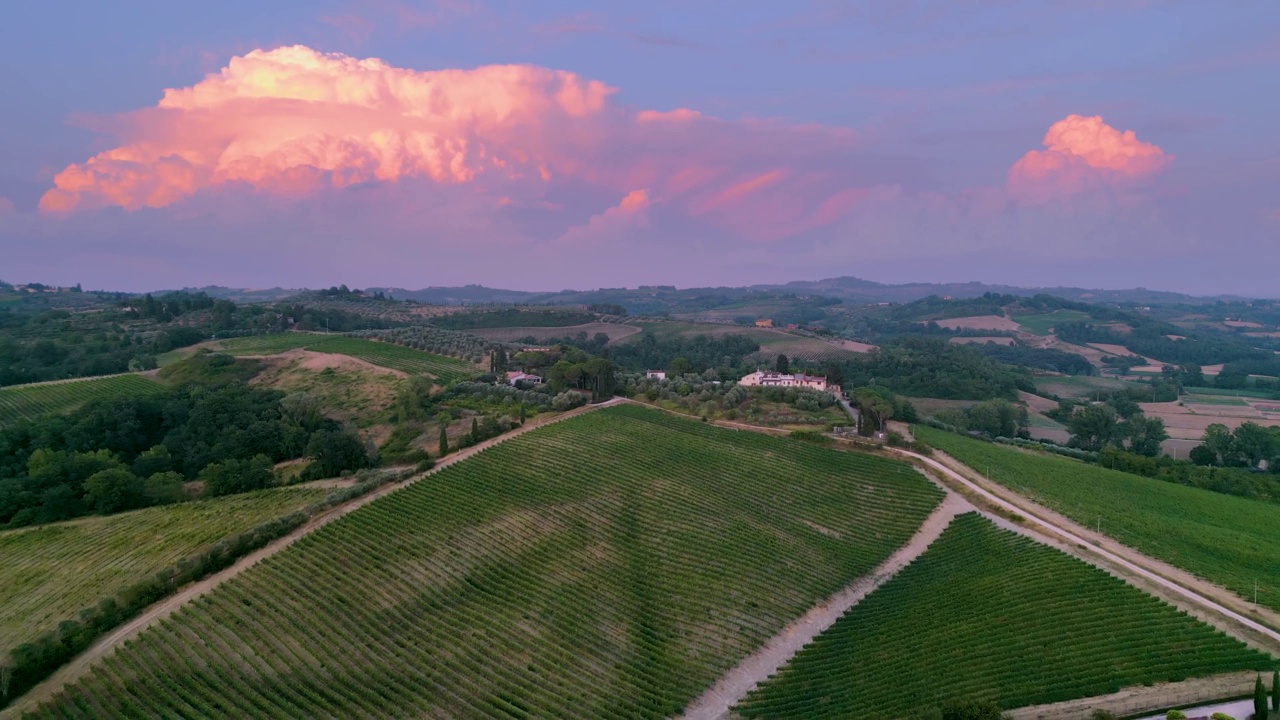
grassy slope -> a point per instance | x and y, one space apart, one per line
1040 323
356 394
772 341
31 401
987 614
51 572
396 357
1229 540
609 566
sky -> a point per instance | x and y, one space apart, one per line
552 145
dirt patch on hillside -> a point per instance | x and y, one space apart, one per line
979 322
1241 323
1188 422
318 361
1037 403
857 347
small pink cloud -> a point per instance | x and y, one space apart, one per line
1083 154
677 115
614 224
6 206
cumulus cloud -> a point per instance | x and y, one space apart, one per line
1083 154
292 121
614 224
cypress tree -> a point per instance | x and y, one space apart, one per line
522 422
475 431
1275 691
444 440
1259 700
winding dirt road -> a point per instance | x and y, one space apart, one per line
103 646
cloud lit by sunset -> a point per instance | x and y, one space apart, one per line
1084 153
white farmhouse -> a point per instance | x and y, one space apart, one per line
760 378
655 374
516 378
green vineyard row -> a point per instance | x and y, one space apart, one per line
31 401
609 566
1229 540
986 614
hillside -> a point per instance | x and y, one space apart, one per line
986 614
608 566
1231 541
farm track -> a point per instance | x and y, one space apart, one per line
82 663
715 703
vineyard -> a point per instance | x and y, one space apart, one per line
772 342
990 615
51 572
31 401
386 353
398 357
435 340
1229 540
612 565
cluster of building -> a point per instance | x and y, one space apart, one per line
762 378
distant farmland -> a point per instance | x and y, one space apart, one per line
615 331
385 354
773 342
609 566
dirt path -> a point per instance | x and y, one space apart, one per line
103 646
1142 699
715 702
1207 602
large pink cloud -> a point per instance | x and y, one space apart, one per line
1083 154
293 121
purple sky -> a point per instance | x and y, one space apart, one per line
555 144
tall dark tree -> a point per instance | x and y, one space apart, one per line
475 430
444 440
1259 700
782 364
1275 691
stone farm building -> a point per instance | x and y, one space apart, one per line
761 378
515 378
656 374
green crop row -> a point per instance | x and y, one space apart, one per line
986 614
31 401
612 565
1229 540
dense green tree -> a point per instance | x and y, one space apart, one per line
237 476
874 410
971 710
782 364
1093 427
1259 700
1144 434
444 440
475 431
1275 691
1202 455
333 452
680 366
113 490
164 488
1218 439
997 418
1253 443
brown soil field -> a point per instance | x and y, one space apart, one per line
1241 323
979 322
999 340
857 347
1037 403
1189 422
615 332
1263 334
1117 350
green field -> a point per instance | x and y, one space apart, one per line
772 341
1244 393
986 614
51 572
1076 386
1039 324
1229 540
396 357
31 401
270 344
612 565
1214 400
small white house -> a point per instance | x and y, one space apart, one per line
655 374
515 378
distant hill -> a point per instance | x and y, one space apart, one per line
851 290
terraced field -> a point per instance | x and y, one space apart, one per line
990 615
609 566
31 401
1229 540
51 572
385 354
